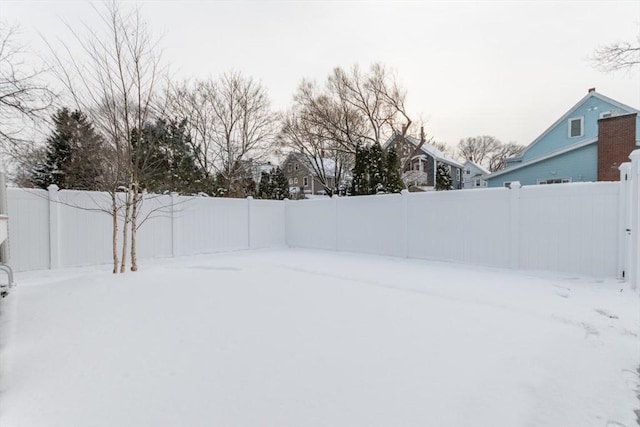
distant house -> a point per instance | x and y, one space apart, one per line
420 162
587 143
473 175
303 178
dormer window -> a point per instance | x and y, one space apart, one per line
576 127
606 114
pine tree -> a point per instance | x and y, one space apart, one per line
360 182
394 178
164 159
280 185
443 178
265 188
73 154
377 169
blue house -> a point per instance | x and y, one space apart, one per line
588 143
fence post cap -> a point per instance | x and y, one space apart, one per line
624 166
635 155
53 187
404 192
249 197
515 185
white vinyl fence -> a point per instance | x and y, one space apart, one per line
567 228
52 229
579 228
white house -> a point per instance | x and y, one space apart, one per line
473 175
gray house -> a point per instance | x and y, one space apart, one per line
304 178
419 162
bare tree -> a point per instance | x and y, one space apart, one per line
114 82
326 158
504 151
622 55
244 127
353 108
487 151
478 149
231 125
24 97
193 101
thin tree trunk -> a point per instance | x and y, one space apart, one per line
134 222
114 236
125 230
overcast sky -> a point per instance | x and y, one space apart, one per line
507 69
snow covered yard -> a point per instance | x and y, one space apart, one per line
313 338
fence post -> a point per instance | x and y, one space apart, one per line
335 219
4 247
249 203
175 236
54 233
624 226
286 222
514 244
634 200
404 219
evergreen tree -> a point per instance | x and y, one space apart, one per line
360 181
443 178
164 159
220 185
265 188
74 153
377 170
186 175
394 178
280 185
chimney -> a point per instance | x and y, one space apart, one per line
404 130
422 134
592 89
616 140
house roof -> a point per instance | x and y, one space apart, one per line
427 149
591 94
481 168
329 165
555 153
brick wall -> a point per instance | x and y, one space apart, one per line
616 140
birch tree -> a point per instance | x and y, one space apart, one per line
113 80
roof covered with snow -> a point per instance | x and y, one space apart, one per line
434 152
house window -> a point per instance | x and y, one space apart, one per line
305 181
507 184
554 181
467 171
476 182
606 114
290 181
290 167
296 166
576 127
295 180
458 174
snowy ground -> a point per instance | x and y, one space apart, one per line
310 338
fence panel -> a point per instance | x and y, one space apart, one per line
267 223
370 224
467 225
311 223
28 229
211 224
